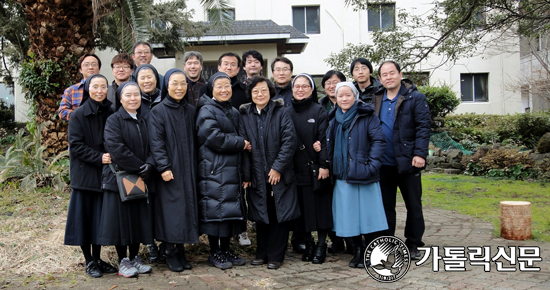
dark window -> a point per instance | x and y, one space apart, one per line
6 93
306 19
473 87
381 16
228 12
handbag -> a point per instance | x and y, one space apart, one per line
130 185
313 168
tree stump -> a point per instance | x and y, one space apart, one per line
515 220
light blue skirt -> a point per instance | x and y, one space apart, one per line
357 209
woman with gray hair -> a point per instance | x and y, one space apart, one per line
356 143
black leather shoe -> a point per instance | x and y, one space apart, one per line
308 253
153 253
274 265
319 254
92 270
357 258
257 262
183 260
173 261
105 267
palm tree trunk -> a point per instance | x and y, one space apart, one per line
60 30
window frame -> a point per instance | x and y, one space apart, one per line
473 87
304 7
380 22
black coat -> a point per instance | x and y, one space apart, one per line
172 141
368 93
126 139
280 145
220 147
284 93
366 144
310 122
86 144
411 128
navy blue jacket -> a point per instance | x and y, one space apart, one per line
366 144
411 129
284 93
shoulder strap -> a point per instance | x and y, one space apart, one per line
302 148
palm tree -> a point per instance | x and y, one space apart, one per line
60 31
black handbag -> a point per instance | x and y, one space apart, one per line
313 168
130 185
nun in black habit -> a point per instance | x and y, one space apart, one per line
172 140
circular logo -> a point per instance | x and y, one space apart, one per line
387 259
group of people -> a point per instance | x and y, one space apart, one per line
215 153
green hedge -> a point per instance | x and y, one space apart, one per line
522 130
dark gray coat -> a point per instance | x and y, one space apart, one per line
280 145
172 141
220 149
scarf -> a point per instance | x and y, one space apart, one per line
343 121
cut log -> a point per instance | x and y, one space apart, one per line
515 220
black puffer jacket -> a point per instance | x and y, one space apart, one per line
86 144
220 148
279 142
126 139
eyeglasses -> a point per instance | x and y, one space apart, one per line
303 87
117 67
331 83
257 92
226 87
88 64
361 68
284 69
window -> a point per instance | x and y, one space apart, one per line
418 78
306 19
230 12
381 16
473 87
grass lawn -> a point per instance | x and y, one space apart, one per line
480 197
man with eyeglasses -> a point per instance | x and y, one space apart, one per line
361 70
230 63
122 66
281 69
142 54
88 64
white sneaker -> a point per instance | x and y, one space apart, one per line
126 268
244 240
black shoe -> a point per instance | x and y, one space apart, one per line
92 270
105 267
258 262
274 265
298 247
183 260
319 254
153 253
361 263
308 253
337 245
414 252
357 258
173 261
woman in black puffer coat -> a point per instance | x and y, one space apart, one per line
221 203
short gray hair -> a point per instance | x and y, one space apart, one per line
189 54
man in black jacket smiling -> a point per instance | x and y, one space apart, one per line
405 119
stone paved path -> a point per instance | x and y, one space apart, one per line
443 228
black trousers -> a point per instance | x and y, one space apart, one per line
272 238
410 185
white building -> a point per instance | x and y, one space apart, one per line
329 25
